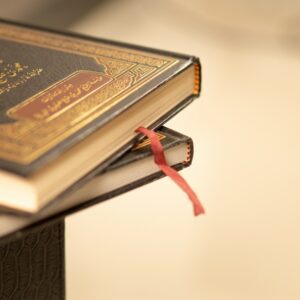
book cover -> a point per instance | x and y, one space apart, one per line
33 264
58 88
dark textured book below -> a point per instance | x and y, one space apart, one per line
33 265
132 170
70 104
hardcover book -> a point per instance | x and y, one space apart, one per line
70 104
131 171
33 265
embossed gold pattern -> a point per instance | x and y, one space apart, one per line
127 70
54 100
146 141
14 75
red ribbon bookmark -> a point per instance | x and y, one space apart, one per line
160 160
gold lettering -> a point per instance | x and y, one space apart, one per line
44 113
62 96
76 93
13 75
3 80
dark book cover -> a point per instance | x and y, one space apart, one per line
58 88
58 209
32 265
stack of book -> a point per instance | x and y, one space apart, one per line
69 109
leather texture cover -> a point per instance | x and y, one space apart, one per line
169 138
32 265
57 88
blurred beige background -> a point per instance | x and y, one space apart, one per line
146 244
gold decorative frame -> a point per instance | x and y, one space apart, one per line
27 139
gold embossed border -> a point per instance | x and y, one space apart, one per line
146 141
25 140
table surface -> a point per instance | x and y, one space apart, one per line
146 243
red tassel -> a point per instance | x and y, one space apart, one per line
160 160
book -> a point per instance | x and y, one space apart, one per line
70 104
132 170
33 264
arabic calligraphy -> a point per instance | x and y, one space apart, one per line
14 75
57 98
